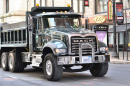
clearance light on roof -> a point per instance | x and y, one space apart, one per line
57 11
37 4
68 5
43 12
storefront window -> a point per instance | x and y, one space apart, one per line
121 38
101 6
110 35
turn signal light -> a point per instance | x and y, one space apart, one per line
106 48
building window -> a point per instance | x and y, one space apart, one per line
7 6
126 4
101 6
38 2
77 5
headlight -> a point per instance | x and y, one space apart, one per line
60 50
103 49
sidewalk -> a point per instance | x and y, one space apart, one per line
120 60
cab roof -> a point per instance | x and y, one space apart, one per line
37 9
57 13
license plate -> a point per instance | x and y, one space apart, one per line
87 59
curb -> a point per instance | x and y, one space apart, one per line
119 62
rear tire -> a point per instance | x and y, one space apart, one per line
52 71
99 69
4 61
13 65
21 66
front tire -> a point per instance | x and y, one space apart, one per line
99 69
4 61
52 71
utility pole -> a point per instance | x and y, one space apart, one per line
114 54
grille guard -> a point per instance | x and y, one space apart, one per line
85 45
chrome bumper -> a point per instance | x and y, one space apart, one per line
66 60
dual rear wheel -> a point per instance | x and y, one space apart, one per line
8 62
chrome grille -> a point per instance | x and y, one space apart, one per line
76 40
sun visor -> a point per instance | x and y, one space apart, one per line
36 10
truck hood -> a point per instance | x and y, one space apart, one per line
68 31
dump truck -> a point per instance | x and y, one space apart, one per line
52 38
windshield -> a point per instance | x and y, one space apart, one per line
62 21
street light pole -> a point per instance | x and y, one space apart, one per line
114 54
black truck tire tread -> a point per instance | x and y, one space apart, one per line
21 66
99 69
15 65
57 70
6 68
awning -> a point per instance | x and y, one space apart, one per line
120 28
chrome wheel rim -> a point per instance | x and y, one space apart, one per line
11 62
3 61
48 67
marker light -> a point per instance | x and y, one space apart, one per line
65 11
61 11
37 4
68 5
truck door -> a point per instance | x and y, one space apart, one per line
38 35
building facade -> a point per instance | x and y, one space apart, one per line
12 11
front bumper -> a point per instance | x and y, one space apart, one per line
66 60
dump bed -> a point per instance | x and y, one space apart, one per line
14 35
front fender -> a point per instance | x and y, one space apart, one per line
55 44
102 44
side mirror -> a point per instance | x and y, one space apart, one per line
86 23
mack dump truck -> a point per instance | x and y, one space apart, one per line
52 38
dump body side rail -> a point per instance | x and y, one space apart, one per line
14 37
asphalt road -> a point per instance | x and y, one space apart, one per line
118 75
